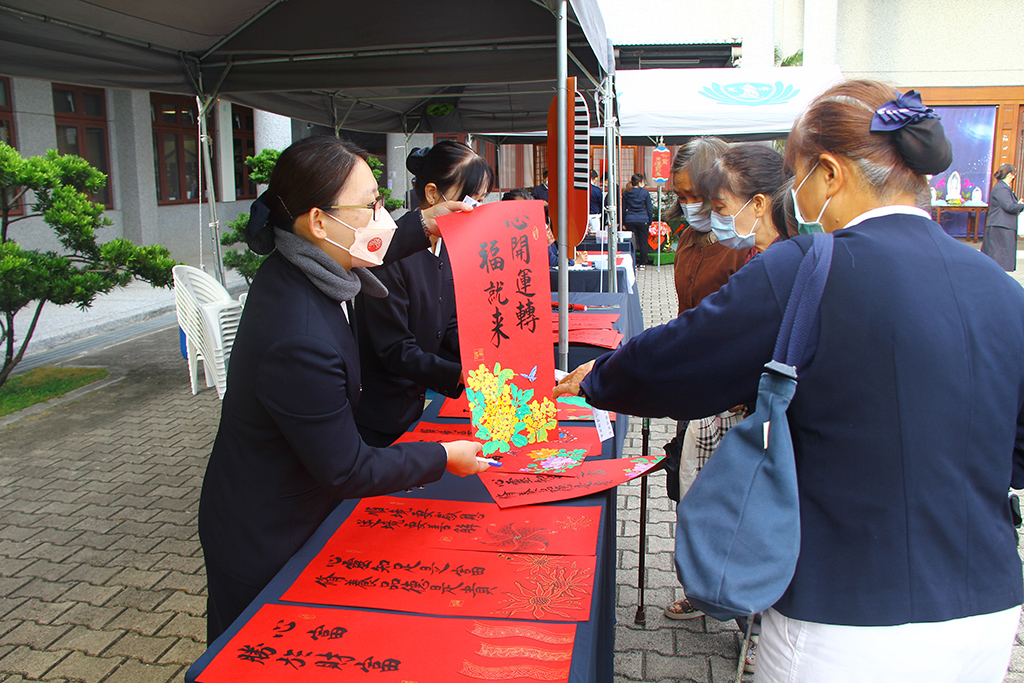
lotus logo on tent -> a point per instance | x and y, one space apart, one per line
750 94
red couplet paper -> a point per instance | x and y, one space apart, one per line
414 522
565 449
499 261
569 408
449 582
298 644
607 339
588 321
511 490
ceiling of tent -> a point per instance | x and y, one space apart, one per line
362 66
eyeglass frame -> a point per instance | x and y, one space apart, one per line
376 205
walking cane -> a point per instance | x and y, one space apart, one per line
645 433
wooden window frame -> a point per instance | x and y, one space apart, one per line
246 138
180 129
81 121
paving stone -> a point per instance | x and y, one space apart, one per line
184 652
49 591
79 665
88 640
87 615
95 575
185 603
189 583
134 671
185 626
33 635
629 664
144 648
659 666
145 623
31 663
129 576
96 596
145 600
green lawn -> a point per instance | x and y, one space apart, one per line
42 384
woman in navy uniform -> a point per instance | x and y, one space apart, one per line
287 450
409 340
907 423
1001 224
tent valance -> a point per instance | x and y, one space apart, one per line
726 102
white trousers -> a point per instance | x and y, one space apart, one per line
970 650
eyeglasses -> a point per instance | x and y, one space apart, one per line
374 206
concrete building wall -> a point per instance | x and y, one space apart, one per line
932 42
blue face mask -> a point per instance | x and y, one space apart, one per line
724 228
803 227
698 223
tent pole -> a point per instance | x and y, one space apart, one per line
609 152
211 197
562 131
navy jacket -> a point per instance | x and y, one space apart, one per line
1003 206
907 422
596 199
540 192
287 449
408 341
637 206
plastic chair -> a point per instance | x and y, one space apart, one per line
241 298
209 317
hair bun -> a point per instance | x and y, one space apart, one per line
417 157
259 233
924 146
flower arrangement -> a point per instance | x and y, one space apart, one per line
503 413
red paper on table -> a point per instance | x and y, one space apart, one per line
449 582
511 490
587 321
499 259
569 408
300 644
567 448
607 339
461 525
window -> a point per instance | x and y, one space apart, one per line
81 117
243 145
6 113
175 148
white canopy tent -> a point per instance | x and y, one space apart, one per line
681 103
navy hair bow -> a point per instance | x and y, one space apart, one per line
905 109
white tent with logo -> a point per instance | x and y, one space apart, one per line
681 103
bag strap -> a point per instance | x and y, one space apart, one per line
804 299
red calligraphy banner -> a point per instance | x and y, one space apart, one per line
499 261
569 408
512 490
565 449
449 582
300 644
415 522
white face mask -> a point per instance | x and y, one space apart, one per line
803 227
371 242
698 223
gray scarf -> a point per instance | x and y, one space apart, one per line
326 273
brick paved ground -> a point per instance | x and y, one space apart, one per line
101 575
